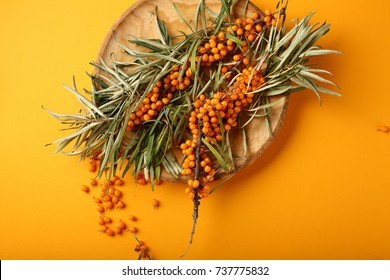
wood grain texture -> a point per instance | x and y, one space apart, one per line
138 20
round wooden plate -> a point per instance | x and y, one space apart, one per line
138 20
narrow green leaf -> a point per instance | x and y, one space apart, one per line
92 108
217 155
234 39
181 17
310 75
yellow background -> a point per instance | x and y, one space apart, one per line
321 191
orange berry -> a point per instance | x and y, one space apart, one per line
155 203
188 171
111 190
151 112
91 167
188 142
101 221
100 208
113 179
147 117
183 146
109 205
115 199
133 229
248 27
119 182
187 82
250 20
117 193
132 116
121 224
195 184
120 204
191 157
205 130
85 188
93 182
230 48
141 181
202 50
221 35
117 230
221 46
103 229
165 101
383 129
159 104
132 218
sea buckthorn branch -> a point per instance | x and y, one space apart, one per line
204 117
195 185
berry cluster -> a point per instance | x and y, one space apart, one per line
161 95
208 116
250 27
110 196
105 228
215 49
